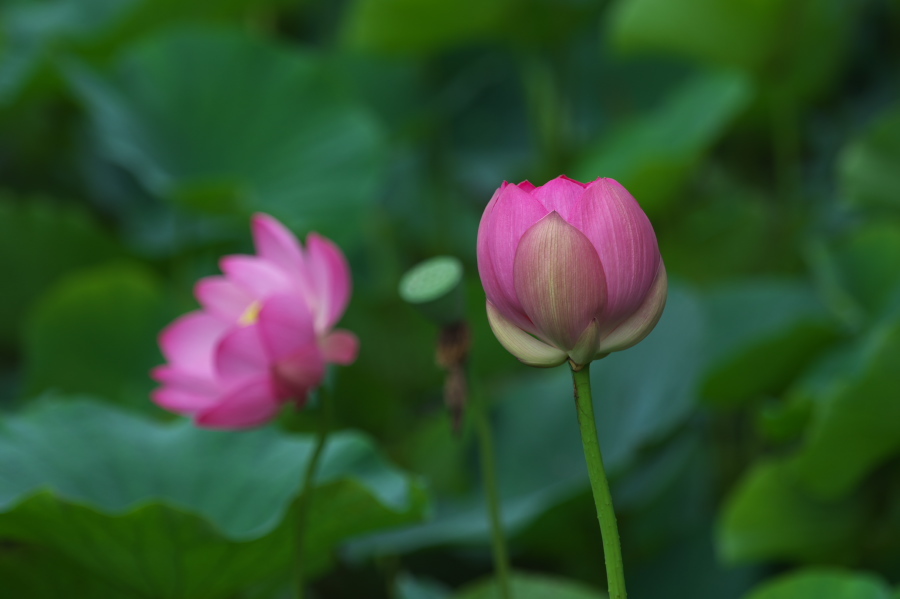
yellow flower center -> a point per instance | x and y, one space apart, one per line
250 315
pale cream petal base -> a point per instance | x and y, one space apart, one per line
585 350
639 324
526 348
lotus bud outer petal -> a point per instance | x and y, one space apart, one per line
510 214
559 280
639 324
626 243
523 346
585 350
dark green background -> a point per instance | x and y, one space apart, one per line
753 438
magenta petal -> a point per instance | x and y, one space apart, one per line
329 276
222 298
340 347
251 404
185 380
299 372
190 340
626 243
526 186
286 325
562 195
511 213
257 277
639 324
276 244
181 401
559 280
241 355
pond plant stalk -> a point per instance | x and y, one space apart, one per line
306 491
609 530
460 393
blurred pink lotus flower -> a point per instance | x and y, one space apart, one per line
571 270
264 333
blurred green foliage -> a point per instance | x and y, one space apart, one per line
752 438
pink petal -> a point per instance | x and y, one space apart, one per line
639 324
257 277
250 404
241 355
559 280
276 244
329 276
510 213
526 186
562 195
190 340
298 373
286 325
180 401
626 243
340 347
185 380
583 185
222 298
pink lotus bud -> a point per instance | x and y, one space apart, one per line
264 333
571 270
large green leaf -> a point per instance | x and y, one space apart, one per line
654 155
30 32
420 25
817 583
24 572
770 515
223 122
174 511
532 586
866 167
39 242
763 334
855 411
96 333
866 259
769 38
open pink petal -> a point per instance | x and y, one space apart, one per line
562 195
286 325
189 341
340 347
185 380
275 243
298 373
250 404
257 277
329 275
241 355
559 280
222 298
512 213
181 401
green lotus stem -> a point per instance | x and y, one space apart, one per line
612 550
307 490
489 479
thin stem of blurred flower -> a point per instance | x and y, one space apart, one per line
307 491
612 550
489 479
